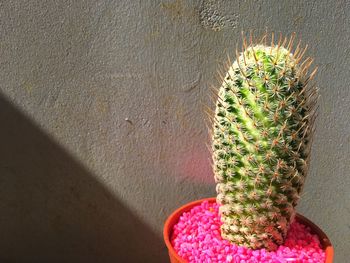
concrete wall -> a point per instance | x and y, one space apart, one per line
102 132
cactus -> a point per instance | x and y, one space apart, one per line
261 138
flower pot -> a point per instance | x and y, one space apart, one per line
174 217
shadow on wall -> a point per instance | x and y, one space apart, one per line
53 210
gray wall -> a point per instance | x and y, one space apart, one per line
102 132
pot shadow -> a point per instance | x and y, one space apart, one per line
52 209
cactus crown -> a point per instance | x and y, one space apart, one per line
261 137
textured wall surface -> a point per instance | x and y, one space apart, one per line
102 132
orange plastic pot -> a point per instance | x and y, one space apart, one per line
174 218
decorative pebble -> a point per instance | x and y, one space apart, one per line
196 238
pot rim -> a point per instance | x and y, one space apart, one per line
174 217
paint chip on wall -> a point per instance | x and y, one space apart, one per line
211 17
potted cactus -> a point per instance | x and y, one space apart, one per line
262 130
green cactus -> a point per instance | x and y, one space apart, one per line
262 131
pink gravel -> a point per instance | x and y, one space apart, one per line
196 238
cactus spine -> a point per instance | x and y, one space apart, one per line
262 131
